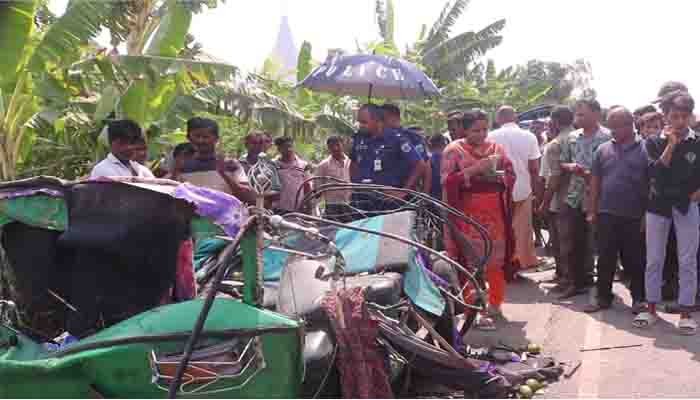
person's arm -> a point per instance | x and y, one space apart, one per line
568 164
667 155
553 182
592 216
354 171
308 185
240 190
416 172
354 168
660 155
533 164
176 168
533 167
146 172
427 177
595 182
414 161
695 182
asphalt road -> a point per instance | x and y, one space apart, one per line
667 364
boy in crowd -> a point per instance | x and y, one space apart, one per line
182 153
674 193
124 137
651 124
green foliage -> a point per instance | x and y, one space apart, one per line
16 26
169 38
65 39
304 63
54 101
384 10
442 57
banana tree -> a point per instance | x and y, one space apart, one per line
31 84
34 79
444 57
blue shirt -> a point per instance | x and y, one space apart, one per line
436 184
624 180
383 160
418 142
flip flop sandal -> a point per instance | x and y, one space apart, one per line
484 323
687 326
644 320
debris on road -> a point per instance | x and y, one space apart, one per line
575 368
611 347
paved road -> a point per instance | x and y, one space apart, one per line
667 365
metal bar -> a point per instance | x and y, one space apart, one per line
573 370
611 347
250 267
297 252
435 335
62 300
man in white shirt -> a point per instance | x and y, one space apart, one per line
124 136
523 150
336 165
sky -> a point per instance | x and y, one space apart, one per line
633 45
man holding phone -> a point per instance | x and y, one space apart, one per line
575 233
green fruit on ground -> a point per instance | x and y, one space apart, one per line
534 384
525 392
534 348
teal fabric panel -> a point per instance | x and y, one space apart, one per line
420 288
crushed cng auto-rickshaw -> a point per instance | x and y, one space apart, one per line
88 270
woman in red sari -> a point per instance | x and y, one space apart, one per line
477 179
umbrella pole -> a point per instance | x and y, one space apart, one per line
369 95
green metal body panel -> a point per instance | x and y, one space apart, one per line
124 371
250 269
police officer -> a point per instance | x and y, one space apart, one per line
381 156
392 120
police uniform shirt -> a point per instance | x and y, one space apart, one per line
383 160
418 142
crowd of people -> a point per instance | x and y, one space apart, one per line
608 186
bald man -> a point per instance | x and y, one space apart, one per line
522 148
619 191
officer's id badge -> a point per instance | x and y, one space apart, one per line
406 147
690 156
377 165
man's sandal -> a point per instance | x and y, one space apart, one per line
687 326
644 320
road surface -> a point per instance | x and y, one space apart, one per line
667 364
